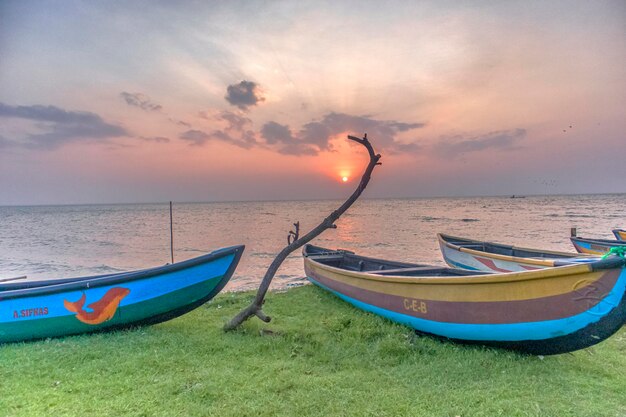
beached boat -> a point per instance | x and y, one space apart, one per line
620 234
547 311
51 308
595 246
477 255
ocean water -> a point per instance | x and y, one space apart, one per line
48 242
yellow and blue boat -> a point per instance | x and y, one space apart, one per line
52 308
547 311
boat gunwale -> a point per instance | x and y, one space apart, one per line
575 269
112 279
604 242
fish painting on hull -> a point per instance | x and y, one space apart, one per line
103 309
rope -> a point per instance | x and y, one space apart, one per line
617 251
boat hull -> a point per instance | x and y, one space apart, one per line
473 255
541 312
116 301
595 246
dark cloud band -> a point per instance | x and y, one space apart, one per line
61 126
501 139
140 100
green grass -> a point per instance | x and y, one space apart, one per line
318 357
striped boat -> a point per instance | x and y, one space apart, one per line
543 312
620 234
594 246
51 308
477 255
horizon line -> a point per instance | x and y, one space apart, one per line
129 203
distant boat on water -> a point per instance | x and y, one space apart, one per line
41 309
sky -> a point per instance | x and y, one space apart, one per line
152 101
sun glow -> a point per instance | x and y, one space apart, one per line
344 175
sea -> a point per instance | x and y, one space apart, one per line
50 242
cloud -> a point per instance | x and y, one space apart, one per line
61 126
383 131
235 121
297 149
156 139
312 138
195 137
316 133
236 131
315 136
180 122
244 94
47 114
145 103
275 133
140 100
501 139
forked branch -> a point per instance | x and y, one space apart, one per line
294 241
293 236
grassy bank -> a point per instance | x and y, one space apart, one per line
318 357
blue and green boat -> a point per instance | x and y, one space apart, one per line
60 307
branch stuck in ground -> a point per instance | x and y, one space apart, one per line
294 241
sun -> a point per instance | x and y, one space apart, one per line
344 179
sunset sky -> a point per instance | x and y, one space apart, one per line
147 101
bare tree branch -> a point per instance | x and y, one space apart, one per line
293 236
294 241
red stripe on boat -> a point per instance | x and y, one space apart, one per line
489 264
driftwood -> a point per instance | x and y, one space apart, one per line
294 241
